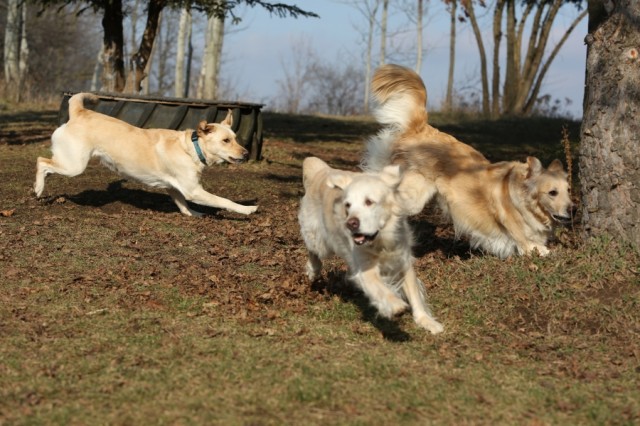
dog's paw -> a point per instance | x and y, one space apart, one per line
539 250
391 306
248 209
430 324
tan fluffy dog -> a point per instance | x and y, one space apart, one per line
160 158
356 217
504 208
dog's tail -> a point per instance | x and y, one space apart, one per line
310 167
76 103
401 95
402 99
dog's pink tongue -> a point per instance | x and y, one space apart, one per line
359 239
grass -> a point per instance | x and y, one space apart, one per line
115 309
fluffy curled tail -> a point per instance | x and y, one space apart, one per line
76 103
402 97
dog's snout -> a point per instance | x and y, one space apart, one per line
353 223
245 154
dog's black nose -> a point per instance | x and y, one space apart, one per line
353 223
245 154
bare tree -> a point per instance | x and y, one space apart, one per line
525 69
293 88
336 88
16 48
212 56
609 160
470 10
453 7
419 30
183 61
368 9
383 31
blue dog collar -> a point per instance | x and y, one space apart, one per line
196 145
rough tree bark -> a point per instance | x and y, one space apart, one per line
138 62
184 42
609 149
419 29
113 78
383 31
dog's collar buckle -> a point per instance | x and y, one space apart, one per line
196 145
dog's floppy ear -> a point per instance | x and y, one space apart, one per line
204 128
228 120
535 167
556 166
391 175
339 180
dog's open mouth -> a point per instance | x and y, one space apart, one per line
361 239
564 220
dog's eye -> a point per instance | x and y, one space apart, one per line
553 192
368 202
347 206
226 140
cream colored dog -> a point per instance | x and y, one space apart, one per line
356 216
505 208
160 158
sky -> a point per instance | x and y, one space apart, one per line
254 55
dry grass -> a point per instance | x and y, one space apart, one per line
116 309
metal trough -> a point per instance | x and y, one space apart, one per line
178 114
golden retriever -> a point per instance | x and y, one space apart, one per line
160 158
356 217
504 208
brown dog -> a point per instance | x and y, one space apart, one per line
160 158
504 208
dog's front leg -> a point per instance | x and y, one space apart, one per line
202 197
382 298
415 293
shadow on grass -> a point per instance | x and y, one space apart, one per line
337 283
140 199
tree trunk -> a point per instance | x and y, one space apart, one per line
212 56
419 35
609 160
497 38
138 62
483 57
184 36
16 50
383 31
448 100
512 73
113 79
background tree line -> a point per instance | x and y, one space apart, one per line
175 47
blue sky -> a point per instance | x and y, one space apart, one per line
255 54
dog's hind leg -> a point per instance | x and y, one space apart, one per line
415 293
68 159
181 202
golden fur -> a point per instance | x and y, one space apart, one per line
156 157
504 208
356 217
